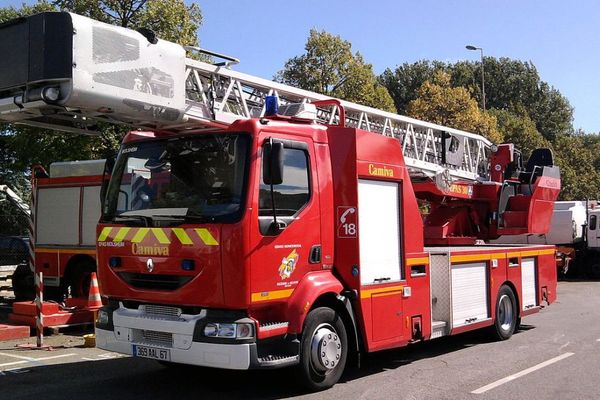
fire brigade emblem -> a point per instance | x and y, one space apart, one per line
288 265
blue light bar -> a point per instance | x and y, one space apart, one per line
271 105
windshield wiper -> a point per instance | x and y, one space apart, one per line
195 218
147 220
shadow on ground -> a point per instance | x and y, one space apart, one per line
130 379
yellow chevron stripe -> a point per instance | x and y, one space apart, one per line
205 235
104 234
140 235
182 236
121 234
160 235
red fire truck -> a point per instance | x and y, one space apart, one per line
67 209
238 234
66 214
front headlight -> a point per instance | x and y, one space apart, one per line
226 330
229 330
211 330
245 331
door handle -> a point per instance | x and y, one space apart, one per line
315 254
381 279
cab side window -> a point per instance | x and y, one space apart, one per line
593 222
293 193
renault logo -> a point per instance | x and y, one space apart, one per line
150 265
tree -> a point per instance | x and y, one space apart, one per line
438 102
329 67
509 85
172 20
519 129
404 82
577 155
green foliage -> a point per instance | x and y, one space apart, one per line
329 67
578 156
8 13
437 101
510 85
520 130
172 20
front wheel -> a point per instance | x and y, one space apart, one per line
324 349
506 313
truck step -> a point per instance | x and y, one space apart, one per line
273 360
438 329
270 329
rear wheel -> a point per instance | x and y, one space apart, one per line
23 283
79 279
324 349
506 313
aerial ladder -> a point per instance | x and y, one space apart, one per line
87 72
73 74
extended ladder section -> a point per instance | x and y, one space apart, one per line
72 73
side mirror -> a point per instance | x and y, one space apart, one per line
273 163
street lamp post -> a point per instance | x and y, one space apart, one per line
469 47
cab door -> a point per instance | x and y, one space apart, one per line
286 234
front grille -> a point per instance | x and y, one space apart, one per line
153 337
155 281
164 311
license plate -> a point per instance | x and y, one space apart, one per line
151 352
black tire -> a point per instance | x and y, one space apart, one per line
23 283
594 268
507 316
54 293
79 279
321 366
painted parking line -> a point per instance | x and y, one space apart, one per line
529 370
13 363
25 360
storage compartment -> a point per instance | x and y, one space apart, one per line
469 293
528 283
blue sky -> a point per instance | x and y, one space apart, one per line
561 38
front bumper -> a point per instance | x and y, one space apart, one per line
228 356
180 335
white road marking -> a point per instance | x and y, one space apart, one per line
597 340
13 363
509 378
31 359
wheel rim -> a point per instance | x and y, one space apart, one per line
326 349
505 313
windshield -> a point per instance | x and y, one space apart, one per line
200 178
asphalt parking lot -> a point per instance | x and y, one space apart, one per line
554 356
